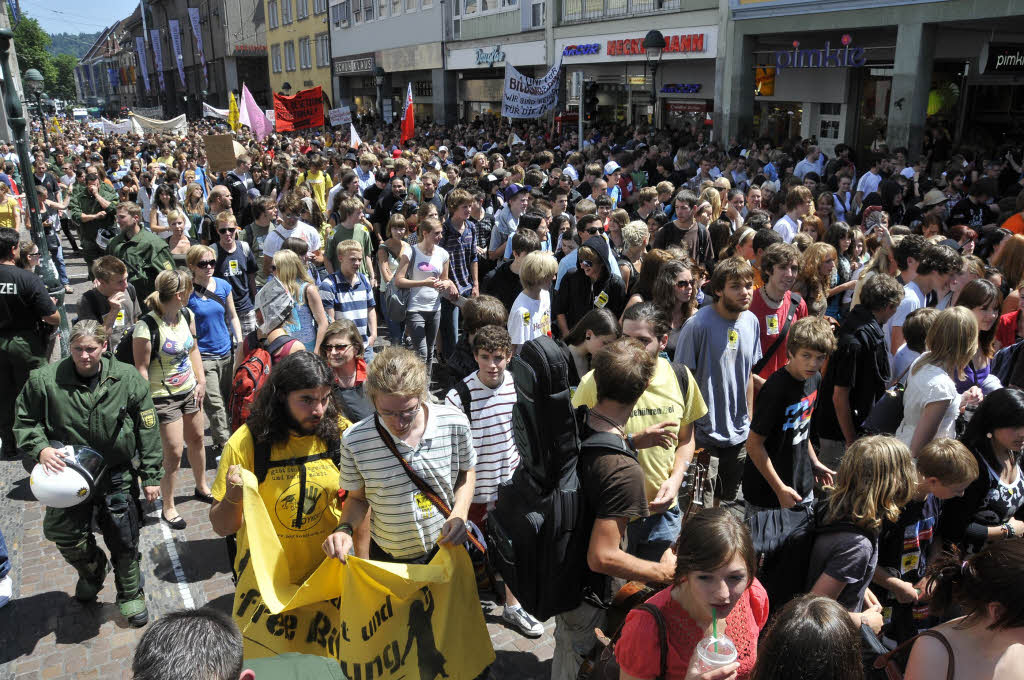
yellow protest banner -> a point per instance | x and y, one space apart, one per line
233 112
379 620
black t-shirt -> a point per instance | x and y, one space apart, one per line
612 484
235 268
969 213
782 415
503 284
95 306
23 300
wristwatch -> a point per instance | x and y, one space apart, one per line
1008 531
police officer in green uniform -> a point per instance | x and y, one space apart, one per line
92 206
143 252
25 307
91 399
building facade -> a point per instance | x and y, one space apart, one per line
298 46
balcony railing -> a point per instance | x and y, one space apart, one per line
592 10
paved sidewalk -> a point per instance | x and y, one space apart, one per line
46 633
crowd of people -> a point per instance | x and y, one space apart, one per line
840 333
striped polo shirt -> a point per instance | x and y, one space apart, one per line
404 522
352 301
496 454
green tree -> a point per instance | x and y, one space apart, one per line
30 43
64 84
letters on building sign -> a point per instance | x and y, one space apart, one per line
581 50
491 58
359 65
673 44
846 56
680 88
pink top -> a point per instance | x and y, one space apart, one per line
637 649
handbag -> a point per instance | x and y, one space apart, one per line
892 671
396 300
602 664
887 413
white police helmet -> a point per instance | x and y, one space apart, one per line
75 484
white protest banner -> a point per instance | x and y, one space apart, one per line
214 112
526 97
340 116
354 140
141 125
121 127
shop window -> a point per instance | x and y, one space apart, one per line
272 13
286 11
275 58
302 9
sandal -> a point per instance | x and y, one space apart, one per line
68 290
204 497
176 523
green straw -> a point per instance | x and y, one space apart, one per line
714 627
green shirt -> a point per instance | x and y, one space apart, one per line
295 666
145 255
56 404
358 234
84 203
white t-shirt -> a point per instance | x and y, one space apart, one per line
928 384
425 298
529 318
868 183
787 227
275 239
913 299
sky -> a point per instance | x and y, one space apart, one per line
77 16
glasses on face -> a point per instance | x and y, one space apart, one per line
684 284
339 347
33 256
586 263
401 415
229 230
92 177
593 230
203 264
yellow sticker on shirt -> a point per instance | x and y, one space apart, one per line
424 505
119 321
233 267
601 300
734 339
526 318
909 562
772 324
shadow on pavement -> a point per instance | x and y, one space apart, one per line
20 491
201 560
510 664
27 620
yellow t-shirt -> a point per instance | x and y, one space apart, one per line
8 210
319 183
662 401
301 530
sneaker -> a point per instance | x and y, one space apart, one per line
519 619
86 590
135 610
6 590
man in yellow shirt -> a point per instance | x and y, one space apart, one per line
660 430
319 181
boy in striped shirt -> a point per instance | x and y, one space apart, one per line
348 293
487 397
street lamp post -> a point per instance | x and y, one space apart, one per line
654 46
16 119
378 78
34 84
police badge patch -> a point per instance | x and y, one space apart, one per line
149 418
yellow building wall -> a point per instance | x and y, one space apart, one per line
308 27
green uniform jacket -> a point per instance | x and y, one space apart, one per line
82 202
145 255
56 405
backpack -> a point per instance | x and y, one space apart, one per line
249 378
783 542
395 300
125 352
466 397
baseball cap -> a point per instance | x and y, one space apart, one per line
442 148
513 190
274 303
610 167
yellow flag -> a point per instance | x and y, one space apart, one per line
379 620
233 112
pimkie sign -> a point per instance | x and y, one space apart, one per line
845 56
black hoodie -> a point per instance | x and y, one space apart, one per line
578 294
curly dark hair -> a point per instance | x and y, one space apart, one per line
270 419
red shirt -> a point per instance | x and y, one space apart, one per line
771 322
637 649
1006 330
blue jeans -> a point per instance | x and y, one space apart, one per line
5 560
648 538
368 354
449 327
58 261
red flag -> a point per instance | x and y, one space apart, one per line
408 119
302 110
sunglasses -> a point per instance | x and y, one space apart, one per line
586 263
92 177
202 264
593 230
229 230
340 347
684 284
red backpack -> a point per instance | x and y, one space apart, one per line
249 378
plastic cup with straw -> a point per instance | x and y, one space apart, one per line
717 650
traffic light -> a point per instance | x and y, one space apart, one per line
590 101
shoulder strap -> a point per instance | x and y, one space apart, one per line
606 440
682 377
466 397
277 344
767 356
154 336
425 489
210 294
882 661
260 459
659 619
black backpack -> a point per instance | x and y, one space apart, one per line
783 541
125 352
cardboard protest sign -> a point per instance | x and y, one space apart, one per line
220 152
302 110
340 116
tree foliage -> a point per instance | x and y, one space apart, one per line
75 44
64 83
30 43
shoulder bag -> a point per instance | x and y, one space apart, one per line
885 665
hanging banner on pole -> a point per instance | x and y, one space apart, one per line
175 29
14 12
158 56
261 124
354 140
115 81
141 125
209 111
140 48
526 97
193 17
302 110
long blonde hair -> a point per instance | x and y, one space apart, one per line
876 479
712 196
290 271
952 341
880 263
168 284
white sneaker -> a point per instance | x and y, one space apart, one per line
520 619
6 590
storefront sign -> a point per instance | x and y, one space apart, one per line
680 88
845 56
581 50
673 44
346 66
491 58
1005 58
686 106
